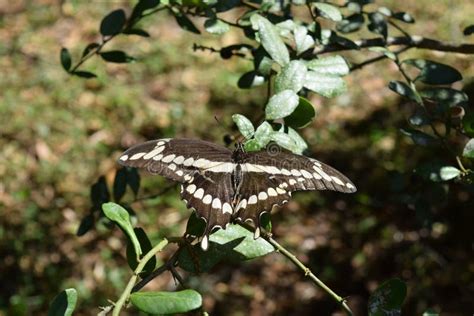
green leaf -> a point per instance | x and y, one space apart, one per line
448 172
270 39
120 184
303 41
419 118
433 72
263 134
421 138
285 141
404 90
468 124
446 96
351 24
469 30
387 52
99 193
215 26
133 179
252 145
185 23
233 244
378 24
328 86
113 23
89 48
119 215
64 303
333 65
138 32
116 56
281 104
404 17
160 303
65 58
328 11
262 61
387 298
430 312
196 225
302 115
291 77
244 125
250 79
299 141
84 74
468 150
146 246
86 225
142 6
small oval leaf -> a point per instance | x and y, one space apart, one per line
351 24
328 11
233 244
116 56
185 23
302 115
66 60
159 303
449 172
281 104
263 134
270 39
433 72
404 90
244 125
120 184
64 303
378 24
119 215
84 74
328 86
468 150
291 77
333 65
388 298
216 26
404 17
113 23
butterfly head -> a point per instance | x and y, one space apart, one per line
239 151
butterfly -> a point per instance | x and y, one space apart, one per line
222 185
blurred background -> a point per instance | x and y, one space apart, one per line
59 133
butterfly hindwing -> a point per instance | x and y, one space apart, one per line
210 195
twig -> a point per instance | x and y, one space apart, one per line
309 274
129 288
415 41
165 267
376 59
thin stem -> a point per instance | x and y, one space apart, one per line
165 267
309 274
128 289
376 59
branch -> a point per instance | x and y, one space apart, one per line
126 293
308 273
414 41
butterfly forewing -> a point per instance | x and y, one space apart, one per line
177 159
297 173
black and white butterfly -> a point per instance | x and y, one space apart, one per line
222 185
